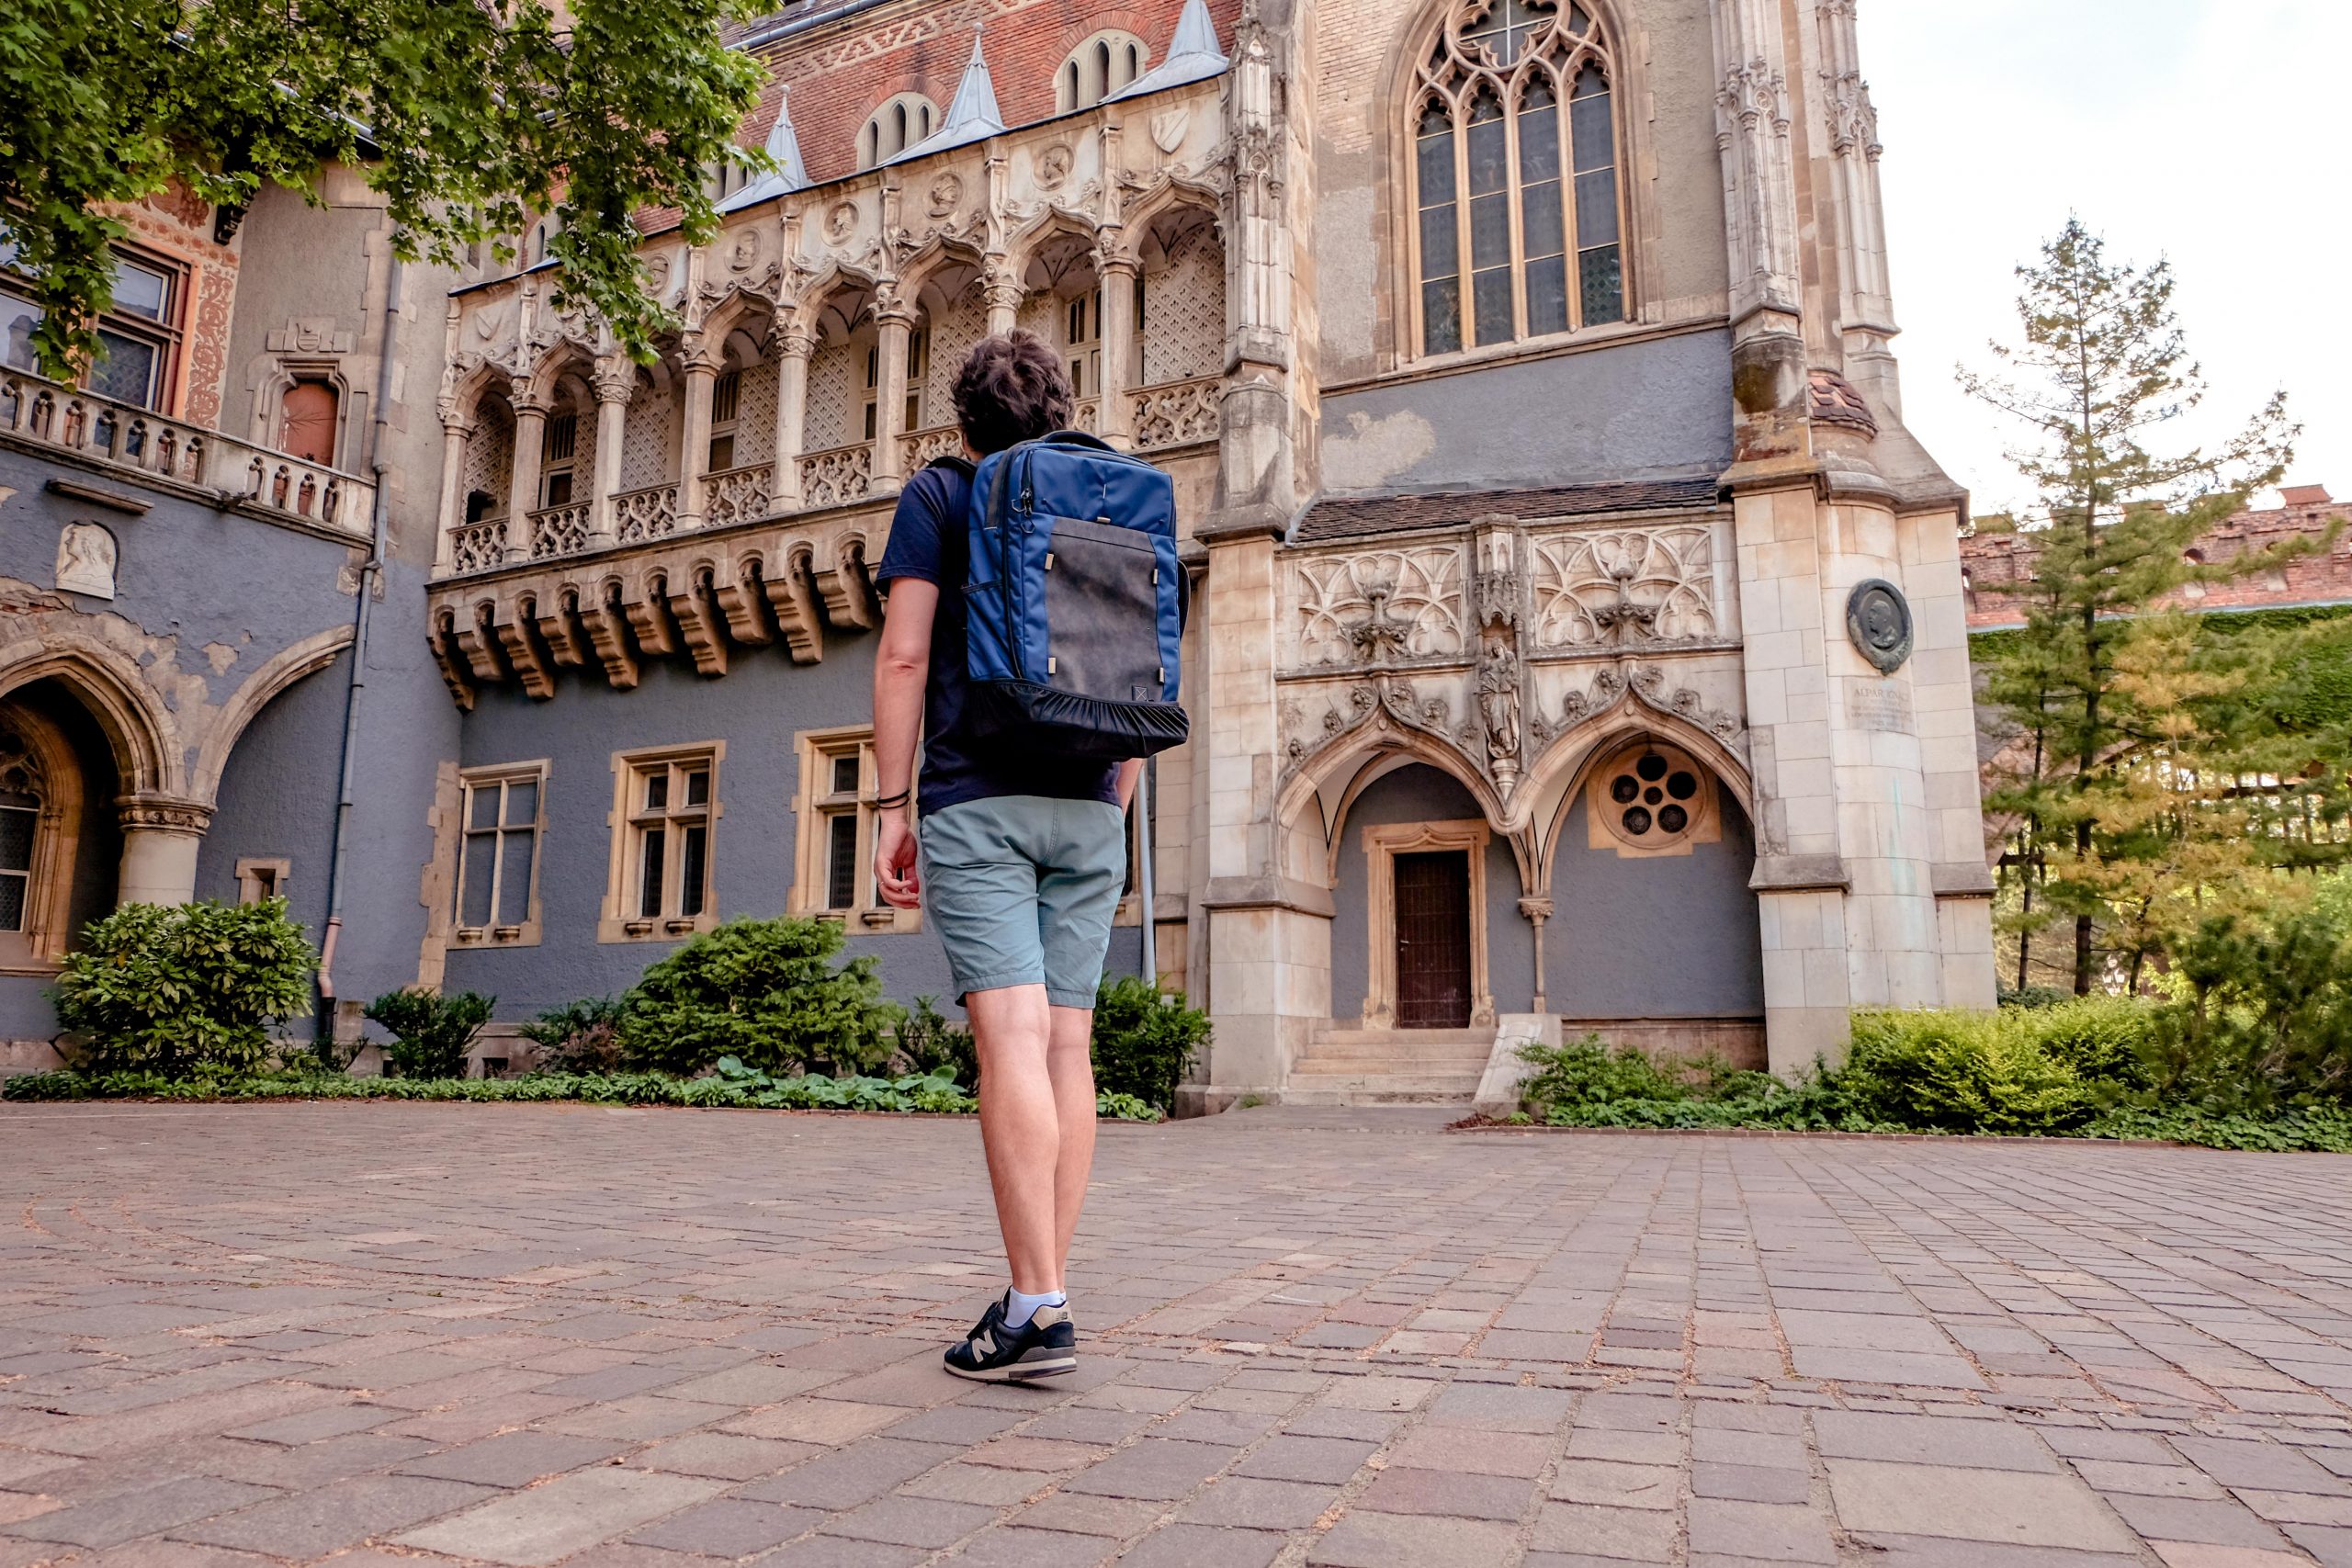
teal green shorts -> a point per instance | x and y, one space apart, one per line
1021 889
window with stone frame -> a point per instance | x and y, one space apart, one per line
558 459
139 334
725 402
835 812
1516 207
502 817
1101 66
898 124
918 373
1083 342
667 811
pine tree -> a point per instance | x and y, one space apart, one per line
2105 729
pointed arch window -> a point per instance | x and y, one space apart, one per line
1516 206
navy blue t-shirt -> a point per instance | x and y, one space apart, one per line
928 543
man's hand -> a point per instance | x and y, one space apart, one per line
894 861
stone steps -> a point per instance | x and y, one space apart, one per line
1421 1066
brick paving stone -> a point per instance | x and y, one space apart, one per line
1927 1440
2016 1507
1609 1483
570 1513
1474 1453
511 1459
1769 1532
1605 1315
1015 1546
912 1521
1193 1546
125 1516
846 1477
1634 1535
1405 1540
1248 1504
1157 1468
729 1527
344 1514
1288 1458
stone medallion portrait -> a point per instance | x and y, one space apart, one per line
1054 167
1877 619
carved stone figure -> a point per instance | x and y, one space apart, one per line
1499 708
86 560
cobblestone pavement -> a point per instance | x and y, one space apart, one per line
527 1335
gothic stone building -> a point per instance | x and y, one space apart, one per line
1578 640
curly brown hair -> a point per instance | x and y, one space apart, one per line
1011 389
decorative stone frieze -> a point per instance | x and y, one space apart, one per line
704 596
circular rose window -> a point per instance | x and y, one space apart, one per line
1652 798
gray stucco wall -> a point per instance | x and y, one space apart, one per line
204 599
1421 794
276 798
1651 410
1669 937
756 709
25 1009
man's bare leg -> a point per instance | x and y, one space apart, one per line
1070 1064
1021 1129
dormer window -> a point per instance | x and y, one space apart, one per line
1099 67
898 125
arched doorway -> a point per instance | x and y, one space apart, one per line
59 843
308 420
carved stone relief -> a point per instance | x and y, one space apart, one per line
86 560
1380 607
1625 587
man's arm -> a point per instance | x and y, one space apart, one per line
901 668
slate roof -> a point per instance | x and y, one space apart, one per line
1356 517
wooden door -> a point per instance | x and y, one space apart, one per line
308 428
1433 941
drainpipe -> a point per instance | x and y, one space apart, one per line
380 465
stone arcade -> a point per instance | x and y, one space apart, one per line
1578 640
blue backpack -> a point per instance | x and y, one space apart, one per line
1075 604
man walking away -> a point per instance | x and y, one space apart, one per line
1021 861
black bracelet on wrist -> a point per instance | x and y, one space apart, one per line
892 802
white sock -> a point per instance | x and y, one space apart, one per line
1019 1308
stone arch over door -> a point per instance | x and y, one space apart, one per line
1400 805
1654 939
137 726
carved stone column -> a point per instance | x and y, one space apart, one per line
792 346
456 429
523 492
159 838
1752 134
1537 911
694 458
615 380
897 324
1004 297
1118 275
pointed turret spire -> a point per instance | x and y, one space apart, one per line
973 116
1192 55
783 146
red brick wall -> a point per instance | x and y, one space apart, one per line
840 74
1994 562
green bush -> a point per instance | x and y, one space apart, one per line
431 1033
1143 1042
184 989
1586 1072
577 1037
931 1042
765 992
733 1086
2266 1019
1962 1072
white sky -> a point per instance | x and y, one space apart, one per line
2214 132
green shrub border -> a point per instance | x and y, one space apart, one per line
741 1088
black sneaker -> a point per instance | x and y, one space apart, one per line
1045 1346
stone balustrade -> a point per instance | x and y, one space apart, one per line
239 474
1175 413
837 475
648 514
560 531
477 546
923 445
